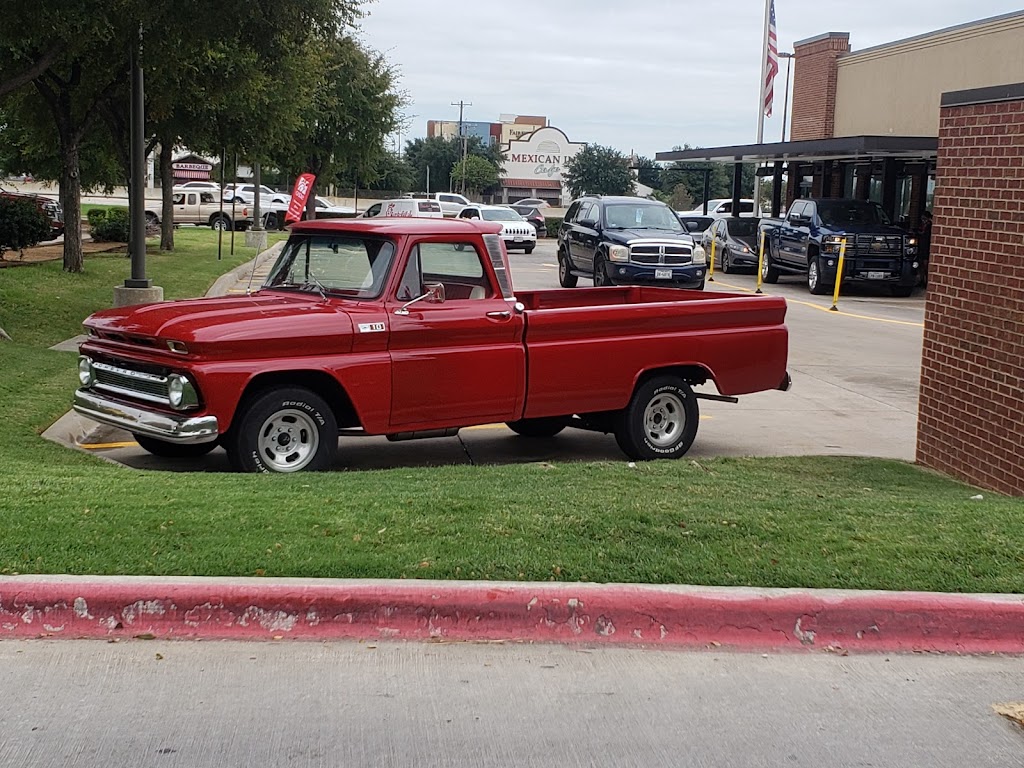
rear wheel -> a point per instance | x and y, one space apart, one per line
660 421
283 430
173 450
546 427
565 276
220 223
814 282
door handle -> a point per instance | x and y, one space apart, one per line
500 315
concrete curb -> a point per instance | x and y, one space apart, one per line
242 272
620 614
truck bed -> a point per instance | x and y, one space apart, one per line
593 341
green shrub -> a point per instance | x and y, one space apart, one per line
96 216
114 227
553 223
22 224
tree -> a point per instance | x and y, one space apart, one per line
477 173
343 124
680 199
597 170
442 155
648 172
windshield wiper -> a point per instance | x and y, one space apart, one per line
312 279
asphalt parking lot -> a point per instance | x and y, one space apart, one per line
855 388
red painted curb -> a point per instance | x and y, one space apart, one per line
260 609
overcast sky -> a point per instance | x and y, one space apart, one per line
638 75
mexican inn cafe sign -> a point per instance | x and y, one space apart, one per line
539 156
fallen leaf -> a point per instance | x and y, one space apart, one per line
145 636
159 657
261 572
357 538
382 530
1013 710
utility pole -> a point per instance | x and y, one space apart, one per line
462 135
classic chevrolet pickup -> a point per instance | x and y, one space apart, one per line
410 328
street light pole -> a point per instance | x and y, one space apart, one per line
138 289
785 105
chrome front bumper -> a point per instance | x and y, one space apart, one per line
172 429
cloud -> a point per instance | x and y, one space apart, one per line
644 75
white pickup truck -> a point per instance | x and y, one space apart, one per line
203 208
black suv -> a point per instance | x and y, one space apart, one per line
627 240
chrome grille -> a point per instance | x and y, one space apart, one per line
129 383
660 253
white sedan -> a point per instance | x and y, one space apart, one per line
516 231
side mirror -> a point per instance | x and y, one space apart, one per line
588 223
434 295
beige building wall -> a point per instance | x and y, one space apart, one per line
895 89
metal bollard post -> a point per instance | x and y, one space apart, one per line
839 275
711 269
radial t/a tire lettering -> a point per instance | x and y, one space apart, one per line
660 421
290 429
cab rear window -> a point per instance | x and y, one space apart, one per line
430 207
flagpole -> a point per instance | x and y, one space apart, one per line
761 92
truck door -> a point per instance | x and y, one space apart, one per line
793 236
584 236
460 361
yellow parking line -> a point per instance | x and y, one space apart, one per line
104 446
828 309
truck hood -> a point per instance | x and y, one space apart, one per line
266 325
863 229
625 236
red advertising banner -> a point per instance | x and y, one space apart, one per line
303 186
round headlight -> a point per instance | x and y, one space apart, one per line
175 391
86 375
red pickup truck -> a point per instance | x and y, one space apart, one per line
410 328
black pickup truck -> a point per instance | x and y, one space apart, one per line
627 241
808 241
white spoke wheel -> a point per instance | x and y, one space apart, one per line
284 430
660 421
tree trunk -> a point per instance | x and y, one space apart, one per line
71 202
167 194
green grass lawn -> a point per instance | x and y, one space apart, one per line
811 522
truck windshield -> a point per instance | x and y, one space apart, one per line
835 213
625 216
349 265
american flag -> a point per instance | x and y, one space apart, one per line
772 66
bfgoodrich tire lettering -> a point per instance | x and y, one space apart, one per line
284 430
660 421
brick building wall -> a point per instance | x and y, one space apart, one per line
971 413
814 85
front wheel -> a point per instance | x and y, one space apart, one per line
545 427
566 278
600 274
769 273
902 291
168 450
726 266
660 421
284 430
528 250
814 282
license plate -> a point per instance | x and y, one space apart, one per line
518 240
877 275
663 274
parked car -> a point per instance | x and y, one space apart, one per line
627 240
405 207
516 231
736 243
206 185
696 225
410 328
534 215
533 202
723 207
273 213
203 208
246 193
450 202
808 241
50 208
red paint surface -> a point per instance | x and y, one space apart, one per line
591 614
